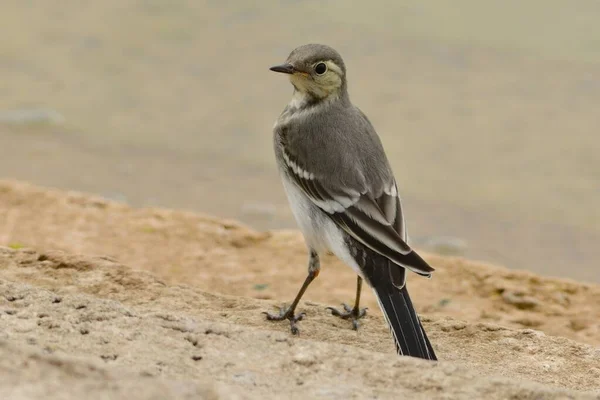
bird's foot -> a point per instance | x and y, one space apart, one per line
286 313
353 314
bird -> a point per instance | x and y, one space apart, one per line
344 197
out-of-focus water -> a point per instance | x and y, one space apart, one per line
488 111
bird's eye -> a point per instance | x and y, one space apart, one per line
320 68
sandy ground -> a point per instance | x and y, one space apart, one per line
167 304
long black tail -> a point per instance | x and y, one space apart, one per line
403 320
388 281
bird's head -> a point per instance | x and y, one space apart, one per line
315 70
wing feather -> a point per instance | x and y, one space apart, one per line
376 223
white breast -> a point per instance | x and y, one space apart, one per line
320 232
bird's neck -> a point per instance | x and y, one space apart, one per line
303 100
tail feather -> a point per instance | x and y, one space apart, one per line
408 332
388 281
428 343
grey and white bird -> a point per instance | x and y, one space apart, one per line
343 194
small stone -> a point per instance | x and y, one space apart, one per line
109 357
48 323
520 301
578 324
304 359
546 367
532 332
193 339
459 326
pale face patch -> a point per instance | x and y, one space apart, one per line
321 86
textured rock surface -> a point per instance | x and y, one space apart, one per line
157 327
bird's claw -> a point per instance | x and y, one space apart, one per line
351 313
286 313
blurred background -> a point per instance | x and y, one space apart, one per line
489 111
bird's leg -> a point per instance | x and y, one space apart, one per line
314 266
354 313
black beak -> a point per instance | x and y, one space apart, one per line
284 68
